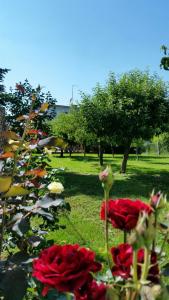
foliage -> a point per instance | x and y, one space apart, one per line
17 103
72 128
29 207
3 72
165 59
125 109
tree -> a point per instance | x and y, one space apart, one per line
71 127
131 107
141 107
98 117
63 127
164 64
17 103
2 109
3 72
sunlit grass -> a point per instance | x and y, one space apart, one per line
84 192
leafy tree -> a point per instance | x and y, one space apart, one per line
140 104
3 72
97 114
63 127
165 59
17 103
131 107
72 128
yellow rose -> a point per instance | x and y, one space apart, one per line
55 187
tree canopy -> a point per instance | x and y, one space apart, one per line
17 103
132 106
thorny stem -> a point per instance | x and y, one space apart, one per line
68 296
125 236
135 275
106 198
155 228
2 228
146 264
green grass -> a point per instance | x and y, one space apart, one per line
84 193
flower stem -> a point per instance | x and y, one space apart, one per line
135 275
155 229
68 296
125 236
146 264
106 198
2 228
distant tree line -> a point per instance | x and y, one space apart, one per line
129 108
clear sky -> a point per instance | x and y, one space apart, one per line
60 43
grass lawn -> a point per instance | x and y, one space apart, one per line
84 193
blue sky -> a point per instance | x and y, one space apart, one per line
60 43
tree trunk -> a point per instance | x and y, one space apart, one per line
70 152
137 153
100 154
2 126
158 148
84 150
113 151
61 152
125 158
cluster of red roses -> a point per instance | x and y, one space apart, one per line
69 268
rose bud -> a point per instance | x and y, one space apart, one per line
106 177
157 200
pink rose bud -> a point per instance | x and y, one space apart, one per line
106 177
157 200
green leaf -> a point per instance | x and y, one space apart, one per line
165 270
14 284
47 202
22 225
20 258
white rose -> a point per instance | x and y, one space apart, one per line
55 187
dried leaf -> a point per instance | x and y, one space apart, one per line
11 135
7 155
37 172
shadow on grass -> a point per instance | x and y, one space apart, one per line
134 185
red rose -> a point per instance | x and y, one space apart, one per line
65 268
124 213
92 291
123 260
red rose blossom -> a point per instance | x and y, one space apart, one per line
124 213
92 291
123 259
65 268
